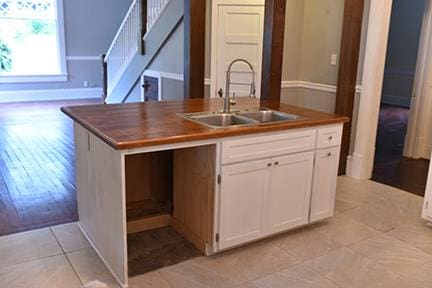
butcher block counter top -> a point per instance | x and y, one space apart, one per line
136 125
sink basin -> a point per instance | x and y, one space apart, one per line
268 116
253 117
221 120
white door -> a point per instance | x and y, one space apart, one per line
324 183
427 210
239 34
290 189
242 202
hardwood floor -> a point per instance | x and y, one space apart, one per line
390 166
37 177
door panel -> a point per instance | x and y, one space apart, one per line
291 184
243 201
324 183
239 35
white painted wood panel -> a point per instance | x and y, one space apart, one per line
242 202
249 148
427 208
101 200
290 189
324 183
329 136
239 34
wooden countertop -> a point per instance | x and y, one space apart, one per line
135 125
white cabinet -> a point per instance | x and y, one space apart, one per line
242 203
290 189
277 182
427 208
324 183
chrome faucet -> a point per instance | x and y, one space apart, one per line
228 101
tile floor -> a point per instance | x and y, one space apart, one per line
376 239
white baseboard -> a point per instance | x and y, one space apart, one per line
50 94
309 85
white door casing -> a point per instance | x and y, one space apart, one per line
237 32
427 208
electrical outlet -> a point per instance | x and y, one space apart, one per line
334 59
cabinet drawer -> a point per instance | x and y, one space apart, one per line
250 148
329 136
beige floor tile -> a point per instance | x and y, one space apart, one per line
149 280
246 285
307 243
346 231
349 269
88 265
27 246
421 274
392 254
51 272
419 236
70 237
300 276
254 261
193 274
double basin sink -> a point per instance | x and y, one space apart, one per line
242 118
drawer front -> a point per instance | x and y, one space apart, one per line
250 148
329 136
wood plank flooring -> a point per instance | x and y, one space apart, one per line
37 177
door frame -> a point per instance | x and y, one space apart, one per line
421 100
214 35
360 163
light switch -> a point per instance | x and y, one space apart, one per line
333 60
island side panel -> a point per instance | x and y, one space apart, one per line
101 200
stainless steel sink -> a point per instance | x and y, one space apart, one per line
268 116
243 118
220 120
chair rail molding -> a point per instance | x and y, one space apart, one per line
360 163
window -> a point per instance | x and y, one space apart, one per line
32 41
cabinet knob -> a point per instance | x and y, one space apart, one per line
329 154
330 138
269 164
277 163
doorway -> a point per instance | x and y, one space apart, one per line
391 165
237 32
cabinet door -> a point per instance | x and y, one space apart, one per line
427 208
242 202
324 183
290 190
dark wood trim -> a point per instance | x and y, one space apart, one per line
273 48
348 66
194 48
104 78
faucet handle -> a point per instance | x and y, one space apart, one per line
253 90
220 92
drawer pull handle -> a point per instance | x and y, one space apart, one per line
329 154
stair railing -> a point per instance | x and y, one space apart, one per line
127 43
154 9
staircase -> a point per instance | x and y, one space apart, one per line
143 32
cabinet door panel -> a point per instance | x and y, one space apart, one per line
243 192
324 184
291 184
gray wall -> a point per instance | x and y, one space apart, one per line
404 37
90 27
313 31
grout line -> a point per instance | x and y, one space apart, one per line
66 256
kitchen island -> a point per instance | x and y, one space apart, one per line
143 166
